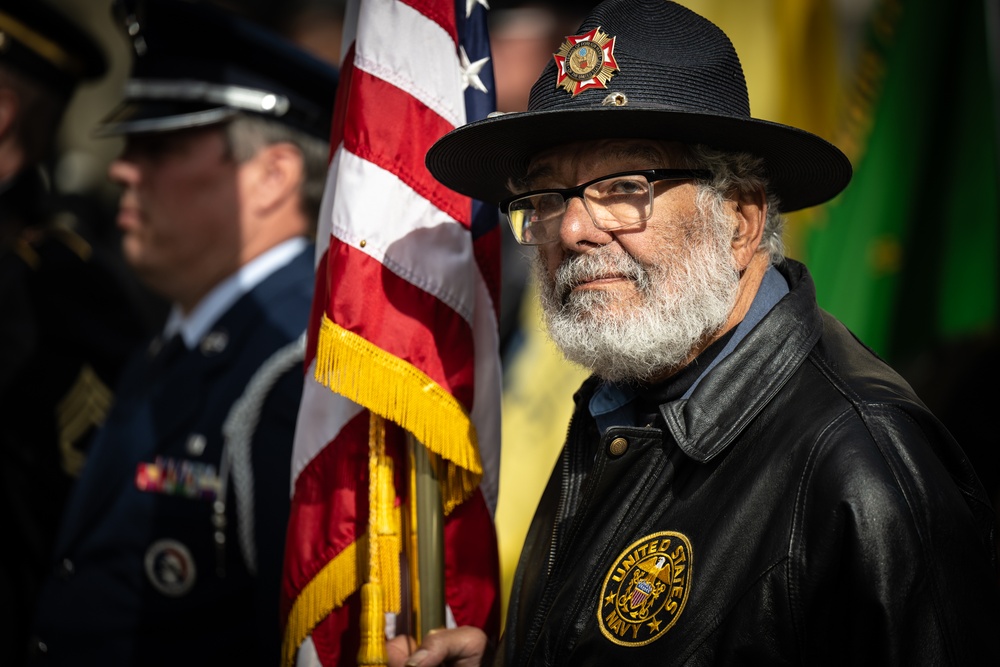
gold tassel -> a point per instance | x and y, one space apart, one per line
386 519
389 543
372 649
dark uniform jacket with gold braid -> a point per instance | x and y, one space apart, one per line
67 326
802 507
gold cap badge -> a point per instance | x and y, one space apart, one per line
585 61
646 589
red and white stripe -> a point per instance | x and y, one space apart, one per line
396 264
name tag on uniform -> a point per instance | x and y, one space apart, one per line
178 477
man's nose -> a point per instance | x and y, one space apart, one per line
577 226
123 171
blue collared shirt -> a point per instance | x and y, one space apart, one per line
193 326
614 404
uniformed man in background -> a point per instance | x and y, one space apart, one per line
171 552
67 319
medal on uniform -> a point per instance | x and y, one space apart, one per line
178 477
170 567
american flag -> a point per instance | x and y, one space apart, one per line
404 324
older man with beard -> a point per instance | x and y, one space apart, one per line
743 481
642 308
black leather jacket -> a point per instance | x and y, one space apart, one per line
802 507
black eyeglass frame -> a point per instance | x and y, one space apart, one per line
651 176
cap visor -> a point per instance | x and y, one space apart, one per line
140 116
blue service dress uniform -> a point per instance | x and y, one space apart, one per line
171 549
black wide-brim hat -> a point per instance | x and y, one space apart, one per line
653 70
196 64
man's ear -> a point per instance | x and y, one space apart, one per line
751 213
277 172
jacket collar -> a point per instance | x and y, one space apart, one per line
727 398
195 325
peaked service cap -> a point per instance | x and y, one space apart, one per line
196 64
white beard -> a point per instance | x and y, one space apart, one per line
687 295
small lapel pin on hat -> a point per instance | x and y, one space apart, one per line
585 61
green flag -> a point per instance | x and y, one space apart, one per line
907 255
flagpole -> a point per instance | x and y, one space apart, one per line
428 542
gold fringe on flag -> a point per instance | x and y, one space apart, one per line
398 391
325 592
390 388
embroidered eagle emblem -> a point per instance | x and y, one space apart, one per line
646 589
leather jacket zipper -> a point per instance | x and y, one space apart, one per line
574 472
560 510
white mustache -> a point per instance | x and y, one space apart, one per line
579 269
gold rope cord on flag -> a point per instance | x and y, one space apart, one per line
341 576
385 516
395 390
389 386
380 593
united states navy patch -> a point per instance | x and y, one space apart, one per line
646 589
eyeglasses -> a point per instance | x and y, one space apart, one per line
613 202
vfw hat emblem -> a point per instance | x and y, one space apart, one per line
646 589
585 61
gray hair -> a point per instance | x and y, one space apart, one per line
736 174
247 134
